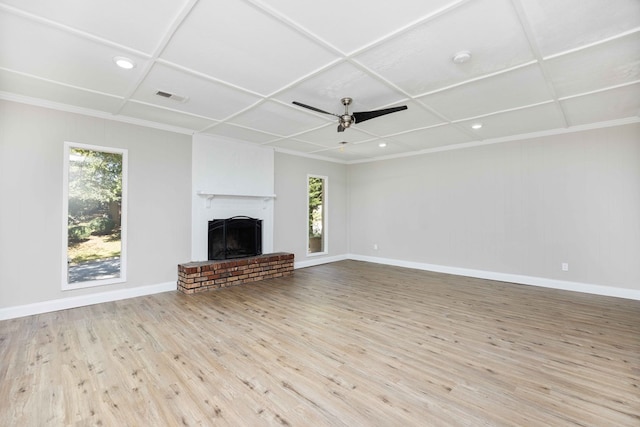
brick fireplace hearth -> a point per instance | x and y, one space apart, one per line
206 275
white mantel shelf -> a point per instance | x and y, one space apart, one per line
209 196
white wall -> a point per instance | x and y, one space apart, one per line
31 197
223 167
520 208
291 207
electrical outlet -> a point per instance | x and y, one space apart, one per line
565 266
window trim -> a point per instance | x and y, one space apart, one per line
66 286
325 216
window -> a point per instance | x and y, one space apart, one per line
316 209
94 216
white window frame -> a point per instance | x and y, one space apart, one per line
66 286
325 215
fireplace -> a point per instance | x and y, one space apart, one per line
236 237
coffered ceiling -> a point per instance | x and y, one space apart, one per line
236 66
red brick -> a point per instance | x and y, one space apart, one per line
206 275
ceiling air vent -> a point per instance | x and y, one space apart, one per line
172 96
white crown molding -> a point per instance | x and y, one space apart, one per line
7 96
38 102
309 156
551 132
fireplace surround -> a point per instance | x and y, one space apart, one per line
235 237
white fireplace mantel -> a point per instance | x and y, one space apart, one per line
210 195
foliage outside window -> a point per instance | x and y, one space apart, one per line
316 190
95 215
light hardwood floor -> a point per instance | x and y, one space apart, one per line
342 344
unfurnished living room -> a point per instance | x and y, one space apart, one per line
336 213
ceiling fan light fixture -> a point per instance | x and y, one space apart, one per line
462 57
124 62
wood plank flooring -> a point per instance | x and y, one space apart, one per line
342 344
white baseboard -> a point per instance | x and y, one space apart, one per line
610 291
317 261
80 301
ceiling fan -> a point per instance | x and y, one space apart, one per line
346 119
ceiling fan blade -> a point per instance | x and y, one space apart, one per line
313 108
367 115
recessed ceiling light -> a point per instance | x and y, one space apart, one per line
123 62
476 126
382 144
461 57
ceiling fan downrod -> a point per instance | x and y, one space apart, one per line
346 120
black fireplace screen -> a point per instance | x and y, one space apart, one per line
236 237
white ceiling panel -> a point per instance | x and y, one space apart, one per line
326 89
608 64
372 149
159 115
421 60
341 154
141 23
240 64
295 145
431 138
240 133
527 120
351 25
614 104
261 54
328 136
517 88
204 97
278 119
560 25
53 54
